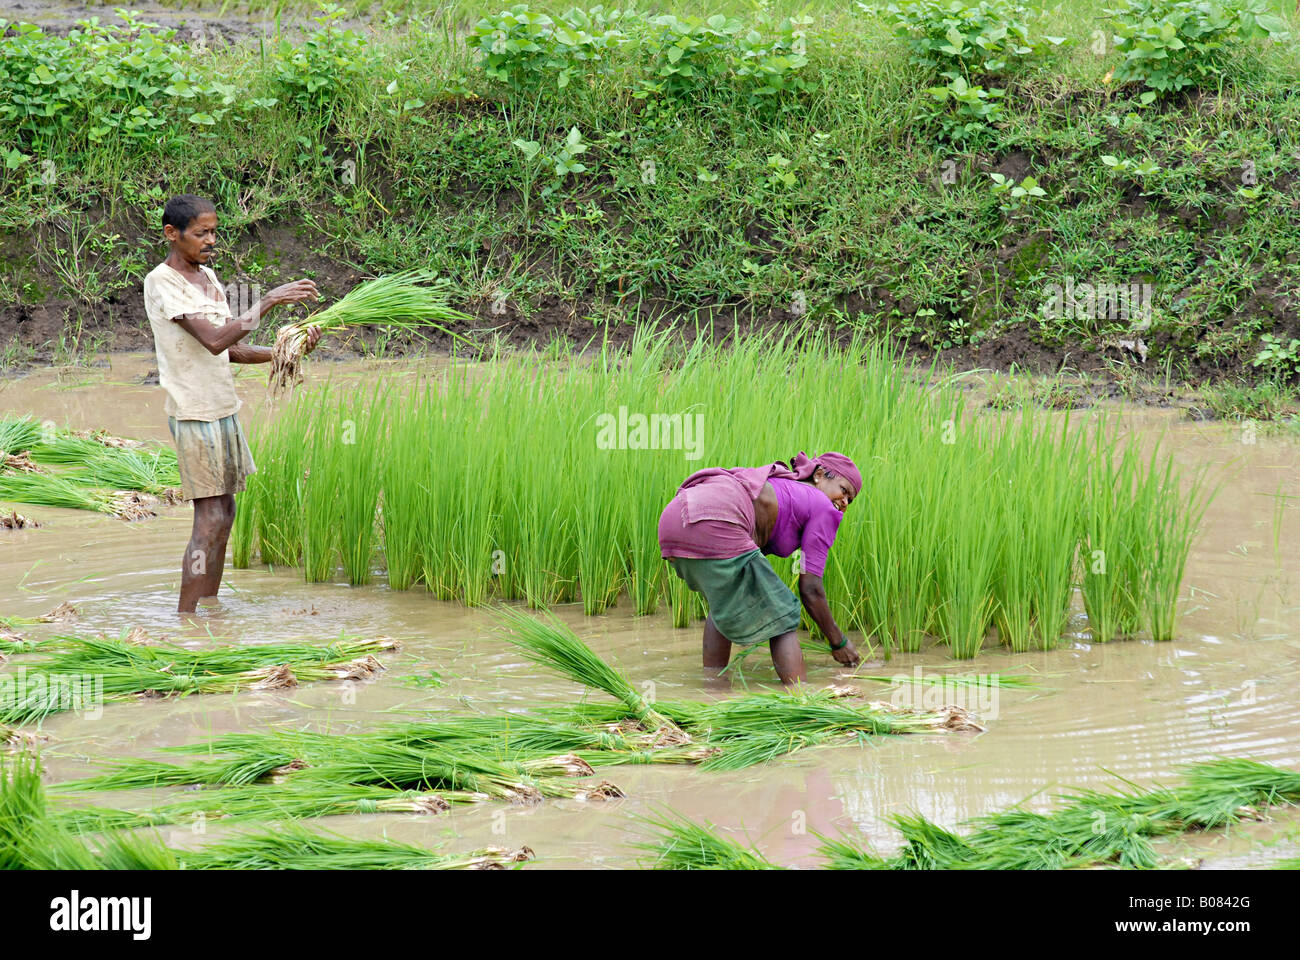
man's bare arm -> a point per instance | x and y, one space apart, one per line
244 353
217 339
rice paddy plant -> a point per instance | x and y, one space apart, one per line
1174 518
358 485
294 847
683 844
52 490
552 644
965 521
965 567
319 495
276 490
1089 827
1114 538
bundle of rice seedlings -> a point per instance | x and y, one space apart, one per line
289 801
18 434
294 847
554 645
52 490
1089 827
31 837
117 669
146 472
685 845
411 301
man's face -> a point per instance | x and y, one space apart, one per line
197 242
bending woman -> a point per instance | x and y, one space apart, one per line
715 530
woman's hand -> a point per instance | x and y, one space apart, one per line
847 654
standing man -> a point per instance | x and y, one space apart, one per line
196 340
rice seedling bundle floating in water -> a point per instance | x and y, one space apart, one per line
35 837
126 668
1088 828
524 477
412 301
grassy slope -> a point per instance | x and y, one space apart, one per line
866 234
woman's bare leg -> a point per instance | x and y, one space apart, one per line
787 657
717 648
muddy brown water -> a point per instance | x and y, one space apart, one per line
1136 710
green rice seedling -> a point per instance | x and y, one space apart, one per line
1174 520
121 669
412 301
290 800
243 532
1115 529
685 845
18 434
291 846
319 495
843 853
554 645
148 472
277 488
358 478
1092 827
50 490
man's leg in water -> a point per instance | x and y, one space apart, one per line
788 658
717 648
205 556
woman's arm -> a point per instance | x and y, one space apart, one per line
812 593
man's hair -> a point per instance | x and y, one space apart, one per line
181 211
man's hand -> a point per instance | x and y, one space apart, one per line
295 292
846 654
313 338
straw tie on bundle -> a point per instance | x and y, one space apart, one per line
273 678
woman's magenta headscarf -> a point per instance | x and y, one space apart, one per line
833 462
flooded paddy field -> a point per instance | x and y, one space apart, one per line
1097 713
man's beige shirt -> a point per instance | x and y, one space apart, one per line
199 385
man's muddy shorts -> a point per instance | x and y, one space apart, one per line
212 455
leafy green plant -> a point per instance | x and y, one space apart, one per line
1014 196
526 49
563 162
1168 45
104 83
1130 167
961 38
974 109
687 52
1282 359
314 73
